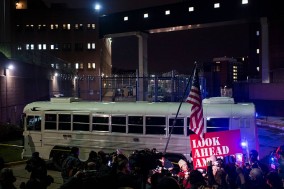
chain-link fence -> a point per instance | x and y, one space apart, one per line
155 89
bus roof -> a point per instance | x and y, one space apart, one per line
141 108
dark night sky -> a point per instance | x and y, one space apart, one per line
172 50
179 50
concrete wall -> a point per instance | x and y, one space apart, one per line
19 87
266 91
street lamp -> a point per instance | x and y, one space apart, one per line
97 7
8 67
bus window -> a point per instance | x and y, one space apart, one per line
188 131
156 125
100 123
50 121
64 122
34 123
135 124
118 124
81 122
178 127
217 124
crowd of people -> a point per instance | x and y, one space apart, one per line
147 169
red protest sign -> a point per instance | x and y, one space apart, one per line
220 144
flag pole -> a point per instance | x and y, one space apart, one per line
181 101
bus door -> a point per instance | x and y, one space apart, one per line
33 131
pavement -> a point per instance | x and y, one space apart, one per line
23 175
270 121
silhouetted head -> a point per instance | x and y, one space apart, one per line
35 155
75 151
253 155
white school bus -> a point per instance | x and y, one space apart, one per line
128 126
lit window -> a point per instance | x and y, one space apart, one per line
216 5
54 26
44 46
78 26
257 51
91 65
19 47
69 65
244 2
91 46
77 66
39 47
191 9
32 46
257 33
57 66
54 46
146 15
66 26
52 65
81 65
125 18
41 27
91 26
167 12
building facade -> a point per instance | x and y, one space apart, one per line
56 49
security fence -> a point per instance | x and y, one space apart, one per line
126 88
155 89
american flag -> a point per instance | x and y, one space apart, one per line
195 98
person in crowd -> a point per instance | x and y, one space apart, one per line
165 166
246 170
168 182
7 179
280 154
273 180
229 163
257 180
241 181
216 173
123 173
71 164
196 179
92 162
38 177
183 175
255 163
74 182
154 180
